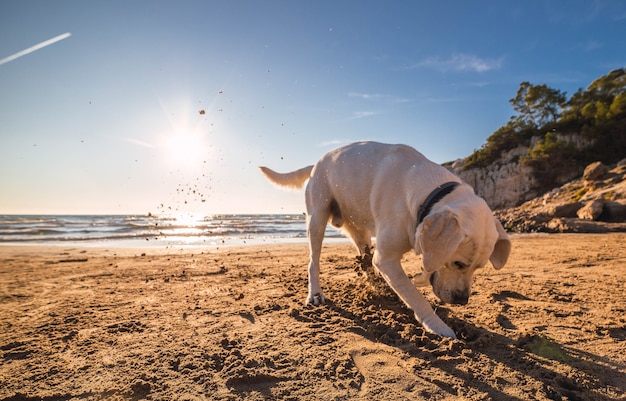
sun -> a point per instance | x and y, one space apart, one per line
186 147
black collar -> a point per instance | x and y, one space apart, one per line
434 197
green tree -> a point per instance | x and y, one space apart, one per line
608 86
549 157
502 140
537 105
604 91
618 106
598 113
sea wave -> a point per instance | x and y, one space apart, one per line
155 230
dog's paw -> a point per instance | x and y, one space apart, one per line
316 299
433 324
422 279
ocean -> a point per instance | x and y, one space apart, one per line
150 230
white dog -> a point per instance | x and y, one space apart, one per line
394 193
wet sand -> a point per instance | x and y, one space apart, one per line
229 323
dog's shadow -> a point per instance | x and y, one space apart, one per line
379 315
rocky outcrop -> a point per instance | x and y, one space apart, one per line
509 182
595 171
592 210
503 184
596 202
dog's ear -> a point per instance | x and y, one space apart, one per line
502 249
439 237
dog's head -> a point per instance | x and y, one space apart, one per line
454 242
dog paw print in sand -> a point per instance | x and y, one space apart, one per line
384 371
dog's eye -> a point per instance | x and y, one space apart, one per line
460 265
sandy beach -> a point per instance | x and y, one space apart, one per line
229 323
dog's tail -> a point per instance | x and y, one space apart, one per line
295 179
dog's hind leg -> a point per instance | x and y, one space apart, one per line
363 241
361 238
316 226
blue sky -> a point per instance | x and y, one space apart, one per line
159 106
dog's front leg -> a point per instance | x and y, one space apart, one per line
392 271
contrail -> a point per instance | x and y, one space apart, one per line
35 48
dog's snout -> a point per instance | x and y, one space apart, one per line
460 298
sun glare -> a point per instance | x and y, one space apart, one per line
186 147
188 219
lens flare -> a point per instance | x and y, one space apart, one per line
186 147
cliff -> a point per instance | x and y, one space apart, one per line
595 202
503 184
549 141
545 147
508 181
